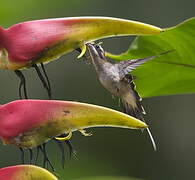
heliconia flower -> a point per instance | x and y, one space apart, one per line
29 123
39 41
25 172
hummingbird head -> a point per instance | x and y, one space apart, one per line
97 55
96 50
107 72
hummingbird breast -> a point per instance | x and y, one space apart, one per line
110 79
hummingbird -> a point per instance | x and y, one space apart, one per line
116 79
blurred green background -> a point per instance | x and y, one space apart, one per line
109 152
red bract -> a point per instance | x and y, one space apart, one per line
26 40
38 41
29 123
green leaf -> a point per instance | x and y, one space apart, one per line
108 178
172 73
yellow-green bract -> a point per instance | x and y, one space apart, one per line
29 123
27 43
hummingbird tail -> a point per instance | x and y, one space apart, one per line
138 113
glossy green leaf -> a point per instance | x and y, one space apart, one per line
172 73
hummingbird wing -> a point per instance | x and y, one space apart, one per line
127 66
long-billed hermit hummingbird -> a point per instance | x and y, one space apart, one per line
116 79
